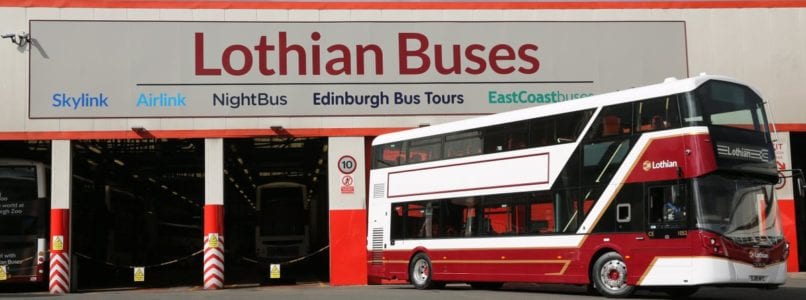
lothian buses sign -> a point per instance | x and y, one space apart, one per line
91 69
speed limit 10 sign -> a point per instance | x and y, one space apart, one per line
347 164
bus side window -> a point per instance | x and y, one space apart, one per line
657 114
667 207
389 155
398 224
428 149
542 215
614 120
542 132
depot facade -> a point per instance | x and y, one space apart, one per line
175 69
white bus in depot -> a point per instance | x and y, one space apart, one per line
667 186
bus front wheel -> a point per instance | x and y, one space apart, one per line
609 275
420 272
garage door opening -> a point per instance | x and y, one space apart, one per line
137 206
276 210
24 214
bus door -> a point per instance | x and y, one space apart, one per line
668 212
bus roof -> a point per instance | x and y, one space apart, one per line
669 86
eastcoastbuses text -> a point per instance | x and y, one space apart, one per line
668 186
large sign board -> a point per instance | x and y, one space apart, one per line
131 69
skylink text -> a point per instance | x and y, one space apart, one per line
85 100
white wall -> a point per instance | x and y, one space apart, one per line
341 196
763 47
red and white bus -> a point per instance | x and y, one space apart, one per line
24 219
668 187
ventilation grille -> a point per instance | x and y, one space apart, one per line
378 190
377 246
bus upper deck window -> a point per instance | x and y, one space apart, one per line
657 114
389 155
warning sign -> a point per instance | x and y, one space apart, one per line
58 242
139 274
347 184
274 271
3 273
212 240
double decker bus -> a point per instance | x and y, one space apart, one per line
24 217
667 187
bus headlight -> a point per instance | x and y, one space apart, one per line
714 244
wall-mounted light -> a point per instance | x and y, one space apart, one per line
276 127
424 124
139 129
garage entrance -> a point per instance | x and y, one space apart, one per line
276 210
137 204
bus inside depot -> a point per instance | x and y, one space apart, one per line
139 205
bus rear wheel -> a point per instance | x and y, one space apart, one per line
609 275
420 273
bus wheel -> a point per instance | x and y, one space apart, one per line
420 272
609 275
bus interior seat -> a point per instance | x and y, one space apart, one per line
655 123
611 125
658 122
486 227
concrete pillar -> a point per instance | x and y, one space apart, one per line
60 201
348 212
213 213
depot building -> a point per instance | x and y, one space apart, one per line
212 143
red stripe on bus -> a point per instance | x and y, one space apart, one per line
662 157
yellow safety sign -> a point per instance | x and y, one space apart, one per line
139 274
3 273
58 242
212 240
274 271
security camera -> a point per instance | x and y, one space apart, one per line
18 39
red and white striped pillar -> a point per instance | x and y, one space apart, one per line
213 213
61 176
213 247
59 251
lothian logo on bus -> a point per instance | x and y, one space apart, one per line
663 164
